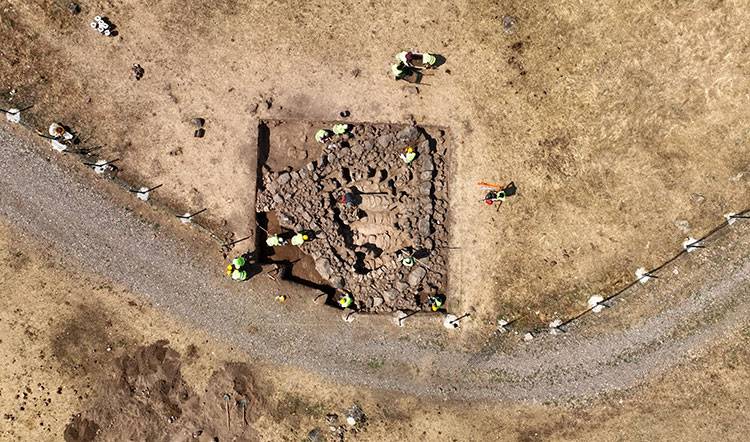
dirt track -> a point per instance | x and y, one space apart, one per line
57 205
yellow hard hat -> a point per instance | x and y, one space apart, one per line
229 269
305 237
409 149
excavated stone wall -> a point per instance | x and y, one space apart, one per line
397 210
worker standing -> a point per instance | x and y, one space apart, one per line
236 270
299 239
345 300
275 241
409 155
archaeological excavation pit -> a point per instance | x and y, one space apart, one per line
392 209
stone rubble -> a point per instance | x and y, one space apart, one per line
400 209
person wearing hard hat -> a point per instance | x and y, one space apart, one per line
323 135
409 155
436 302
493 197
236 269
275 241
399 70
428 60
345 300
340 129
299 239
408 261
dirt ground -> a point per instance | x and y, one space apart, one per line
87 361
621 124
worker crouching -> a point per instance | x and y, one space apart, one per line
237 270
436 302
345 300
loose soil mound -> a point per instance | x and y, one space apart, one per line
146 398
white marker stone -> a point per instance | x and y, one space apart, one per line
348 315
690 244
142 194
13 115
553 326
501 323
642 275
101 167
528 337
448 322
186 219
351 421
398 318
58 146
728 217
594 305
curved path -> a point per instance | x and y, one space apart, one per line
58 206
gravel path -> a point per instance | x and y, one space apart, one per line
87 228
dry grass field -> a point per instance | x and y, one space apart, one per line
621 124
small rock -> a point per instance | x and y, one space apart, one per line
425 188
510 24
315 435
697 198
424 226
283 178
413 90
377 301
311 166
385 139
426 175
683 225
416 276
74 8
390 295
200 133
323 267
337 282
198 122
408 133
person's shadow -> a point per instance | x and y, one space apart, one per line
510 189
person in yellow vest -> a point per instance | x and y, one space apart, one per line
436 302
299 239
345 300
409 155
275 241
323 135
340 129
399 70
428 60
237 269
408 261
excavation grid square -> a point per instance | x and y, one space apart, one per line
376 221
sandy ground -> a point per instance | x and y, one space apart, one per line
83 354
621 124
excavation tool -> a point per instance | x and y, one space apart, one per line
242 403
227 398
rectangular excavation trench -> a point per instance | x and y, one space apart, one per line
394 210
